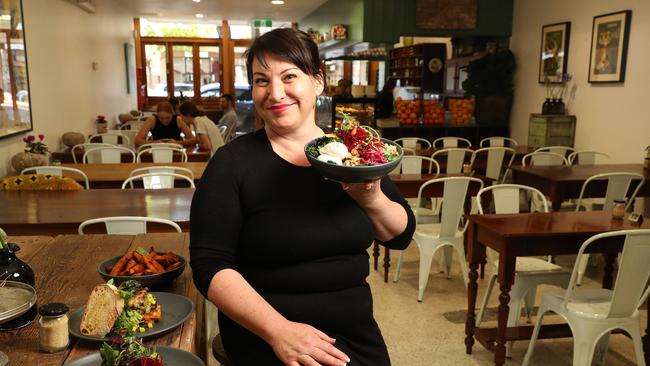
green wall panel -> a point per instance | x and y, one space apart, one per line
348 12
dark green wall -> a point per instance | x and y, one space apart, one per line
384 21
348 12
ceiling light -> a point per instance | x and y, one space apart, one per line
199 15
197 1
277 2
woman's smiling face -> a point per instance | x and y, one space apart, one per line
283 94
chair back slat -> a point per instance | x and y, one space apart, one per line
617 187
453 203
632 276
126 227
411 165
506 200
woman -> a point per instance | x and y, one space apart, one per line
229 118
279 250
165 126
207 132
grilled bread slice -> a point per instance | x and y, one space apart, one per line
102 309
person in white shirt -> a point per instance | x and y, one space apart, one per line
208 134
229 118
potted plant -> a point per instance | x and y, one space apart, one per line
35 154
490 81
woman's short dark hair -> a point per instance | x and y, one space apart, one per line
189 109
289 44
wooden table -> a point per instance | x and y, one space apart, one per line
564 182
61 212
194 154
113 175
409 185
66 271
527 235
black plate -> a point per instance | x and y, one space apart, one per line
170 356
175 310
355 174
152 282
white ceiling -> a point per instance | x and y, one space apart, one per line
292 10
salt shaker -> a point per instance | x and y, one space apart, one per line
53 327
618 210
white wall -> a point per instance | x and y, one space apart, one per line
66 93
612 118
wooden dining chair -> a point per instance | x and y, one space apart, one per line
56 170
127 225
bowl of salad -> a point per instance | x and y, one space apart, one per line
352 154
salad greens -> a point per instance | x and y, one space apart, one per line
128 351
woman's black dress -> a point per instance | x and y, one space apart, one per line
170 131
297 238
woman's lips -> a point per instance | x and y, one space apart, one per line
279 108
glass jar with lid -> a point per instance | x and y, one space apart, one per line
618 210
53 327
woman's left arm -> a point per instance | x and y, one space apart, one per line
389 213
189 139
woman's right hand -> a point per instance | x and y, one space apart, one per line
298 344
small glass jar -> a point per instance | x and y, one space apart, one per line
618 210
53 327
467 168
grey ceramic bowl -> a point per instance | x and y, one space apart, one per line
152 282
354 174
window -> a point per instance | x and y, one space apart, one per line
156 69
150 28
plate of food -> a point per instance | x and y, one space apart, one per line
352 154
129 309
154 270
129 351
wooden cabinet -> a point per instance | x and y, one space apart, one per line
420 65
551 130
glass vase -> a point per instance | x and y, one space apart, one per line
546 106
14 269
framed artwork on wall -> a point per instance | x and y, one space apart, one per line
609 38
554 52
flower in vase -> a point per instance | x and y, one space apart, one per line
33 146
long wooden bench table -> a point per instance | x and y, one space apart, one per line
66 271
61 212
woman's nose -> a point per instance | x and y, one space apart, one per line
276 91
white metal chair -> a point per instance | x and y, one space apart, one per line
544 158
562 150
86 146
445 142
593 313
447 234
586 157
530 272
111 138
107 155
618 184
498 141
412 142
154 180
456 157
158 144
158 180
494 162
162 154
415 164
56 170
127 225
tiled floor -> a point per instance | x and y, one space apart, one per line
419 334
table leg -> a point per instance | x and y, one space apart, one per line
608 279
556 197
386 263
475 252
506 279
375 253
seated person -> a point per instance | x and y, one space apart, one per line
229 118
207 132
165 126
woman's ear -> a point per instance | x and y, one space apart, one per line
319 82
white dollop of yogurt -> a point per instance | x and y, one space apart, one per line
335 149
330 159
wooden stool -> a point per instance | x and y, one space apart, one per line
218 352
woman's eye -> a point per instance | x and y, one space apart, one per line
290 77
260 81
